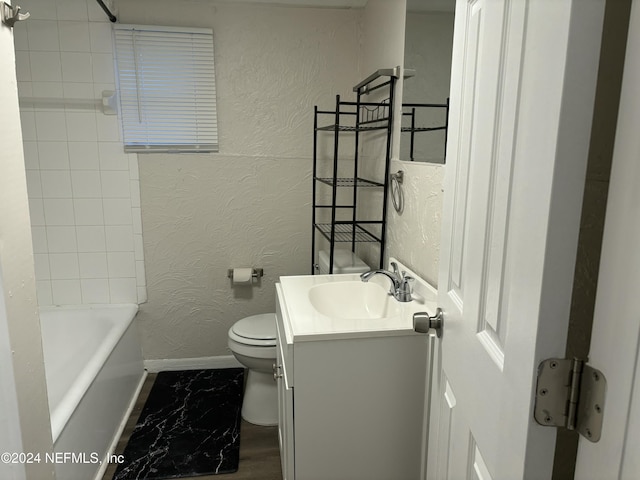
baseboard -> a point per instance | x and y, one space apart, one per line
172 364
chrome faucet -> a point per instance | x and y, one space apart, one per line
401 282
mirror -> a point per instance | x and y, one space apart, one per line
427 52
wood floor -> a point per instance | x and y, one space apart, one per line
259 453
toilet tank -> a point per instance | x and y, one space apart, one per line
344 261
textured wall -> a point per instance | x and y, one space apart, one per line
414 234
18 278
238 211
250 204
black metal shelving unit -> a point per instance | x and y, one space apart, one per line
357 117
410 110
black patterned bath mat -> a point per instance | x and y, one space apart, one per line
189 426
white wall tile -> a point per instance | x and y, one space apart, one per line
20 38
34 184
41 263
56 183
41 9
76 67
123 290
142 294
91 239
45 66
31 161
108 128
66 292
43 35
81 126
86 184
134 172
96 14
117 211
95 291
101 41
58 211
25 90
72 10
77 90
140 273
119 238
89 211
23 66
46 90
112 156
28 124
115 184
100 86
39 239
136 213
84 156
93 265
138 247
74 36
64 266
61 239
43 291
121 264
134 187
55 155
51 126
103 67
36 211
75 154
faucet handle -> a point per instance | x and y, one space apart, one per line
394 266
406 282
404 290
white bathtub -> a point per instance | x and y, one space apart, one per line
94 370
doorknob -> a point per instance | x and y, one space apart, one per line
422 322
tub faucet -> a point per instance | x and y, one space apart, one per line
401 282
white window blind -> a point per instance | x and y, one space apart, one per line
166 84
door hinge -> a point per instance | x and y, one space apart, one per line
570 394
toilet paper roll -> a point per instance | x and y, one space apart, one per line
242 276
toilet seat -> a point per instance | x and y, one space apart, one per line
256 330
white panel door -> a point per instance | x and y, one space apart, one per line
523 83
615 342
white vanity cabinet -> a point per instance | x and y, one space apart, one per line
351 406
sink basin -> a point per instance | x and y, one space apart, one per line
353 300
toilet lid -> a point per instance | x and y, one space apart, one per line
258 327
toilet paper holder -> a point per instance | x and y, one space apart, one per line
256 273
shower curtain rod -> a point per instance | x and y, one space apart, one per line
111 16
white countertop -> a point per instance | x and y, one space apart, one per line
302 322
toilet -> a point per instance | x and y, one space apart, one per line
253 342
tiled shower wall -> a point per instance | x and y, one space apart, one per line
84 191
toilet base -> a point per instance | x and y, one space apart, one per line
260 403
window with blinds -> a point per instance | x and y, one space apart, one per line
166 86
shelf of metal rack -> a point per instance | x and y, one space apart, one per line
349 182
347 232
356 117
409 110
